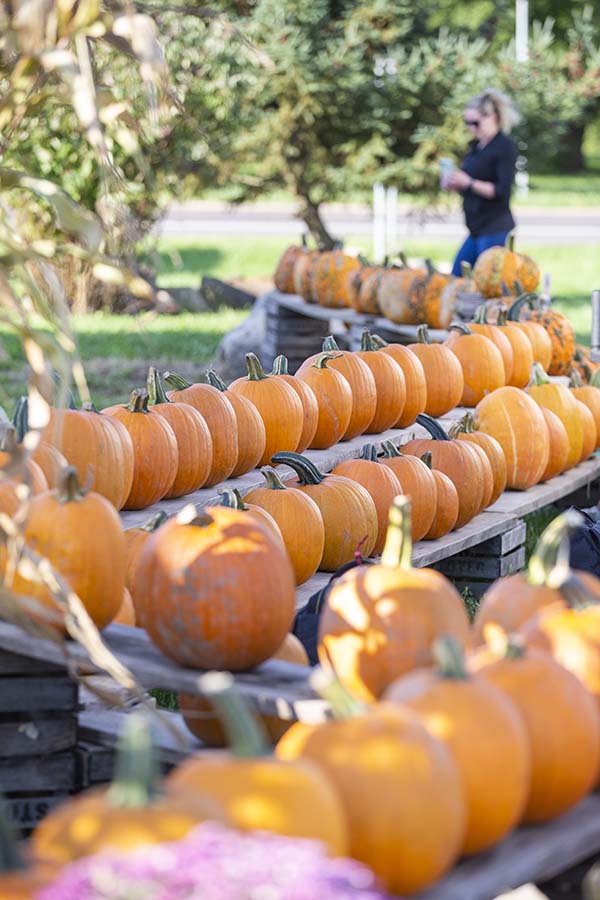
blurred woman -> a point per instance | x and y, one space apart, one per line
486 174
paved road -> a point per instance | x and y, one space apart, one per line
569 225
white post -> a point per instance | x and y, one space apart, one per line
391 212
522 30
378 222
595 321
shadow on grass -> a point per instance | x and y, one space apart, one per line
173 261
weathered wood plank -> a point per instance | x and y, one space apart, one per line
54 772
531 854
35 735
13 664
519 503
95 761
27 812
487 567
503 543
103 727
50 692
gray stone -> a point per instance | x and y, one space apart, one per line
249 336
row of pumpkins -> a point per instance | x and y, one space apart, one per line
405 295
439 745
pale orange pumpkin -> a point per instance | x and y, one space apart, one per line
389 381
558 443
307 399
480 360
251 433
590 395
465 430
560 400
334 401
414 376
418 483
443 374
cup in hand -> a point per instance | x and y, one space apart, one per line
446 169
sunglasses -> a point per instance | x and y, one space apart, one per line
472 123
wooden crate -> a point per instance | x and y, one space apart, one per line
38 737
480 565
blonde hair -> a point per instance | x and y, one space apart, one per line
493 101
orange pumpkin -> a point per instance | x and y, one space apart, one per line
459 461
480 325
299 520
541 343
389 382
414 297
522 351
380 482
361 381
562 336
232 499
512 601
583 365
495 268
17 467
400 789
590 396
566 728
304 266
394 292
259 792
219 415
126 611
481 363
278 404
194 443
560 400
517 423
465 430
18 879
81 536
283 278
330 278
348 512
135 538
418 484
46 455
380 621
589 433
456 288
251 434
414 376
363 289
484 733
443 374
559 447
156 457
217 589
307 399
334 401
447 503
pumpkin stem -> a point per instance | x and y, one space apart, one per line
246 738
369 452
321 360
11 859
403 258
423 333
431 270
367 342
255 369
330 345
177 382
191 515
509 243
138 401
280 365
538 375
68 489
306 470
466 270
390 450
433 427
427 458
20 418
328 686
449 657
136 770
9 442
460 326
397 551
549 563
595 379
514 646
155 388
232 498
88 406
514 312
379 341
502 318
575 380
575 593
155 521
274 482
480 317
215 380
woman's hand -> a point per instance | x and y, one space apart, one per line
458 181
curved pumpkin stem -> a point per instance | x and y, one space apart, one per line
155 521
306 470
433 427
11 859
255 369
466 425
274 482
246 738
369 452
68 488
481 313
215 380
575 381
20 418
137 776
155 388
328 686
502 320
427 458
423 335
390 450
449 658
514 311
509 243
330 345
379 341
397 551
138 401
191 515
177 382
321 360
280 365
549 562
367 342
232 498
9 442
538 374
429 266
460 326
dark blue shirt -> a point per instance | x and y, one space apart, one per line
496 163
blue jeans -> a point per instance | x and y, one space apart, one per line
474 247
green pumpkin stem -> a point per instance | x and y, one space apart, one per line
191 515
88 406
514 311
272 478
429 266
215 380
460 326
466 270
328 686
595 379
575 381
155 388
306 470
427 458
246 737
423 333
549 562
379 342
481 314
390 450
330 345
538 374
137 775
502 318
321 359
509 243
515 647
280 365
68 489
369 452
366 341
232 498
9 442
255 369
155 521
138 401
11 859
177 382
397 551
449 657
433 427
20 418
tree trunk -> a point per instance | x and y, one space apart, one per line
570 156
310 213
